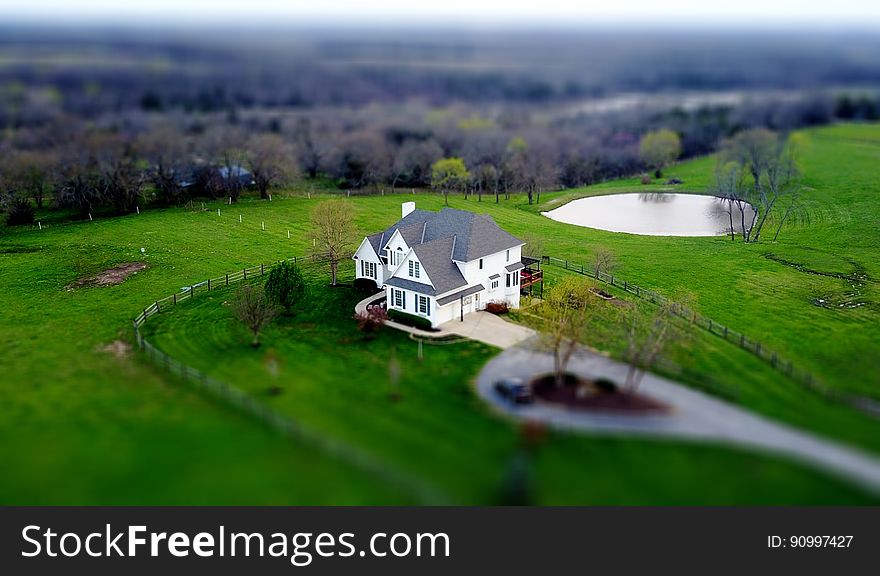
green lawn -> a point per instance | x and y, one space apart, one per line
79 425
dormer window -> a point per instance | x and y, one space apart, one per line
414 269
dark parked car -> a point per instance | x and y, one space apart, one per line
514 390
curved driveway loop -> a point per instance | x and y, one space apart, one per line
695 415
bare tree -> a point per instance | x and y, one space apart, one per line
270 161
604 261
31 173
332 227
568 308
310 146
647 336
167 153
253 308
771 161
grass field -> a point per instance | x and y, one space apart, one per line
81 425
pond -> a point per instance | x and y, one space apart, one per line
657 214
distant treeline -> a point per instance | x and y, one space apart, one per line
116 124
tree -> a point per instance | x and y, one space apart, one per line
604 261
286 286
449 174
310 148
30 173
270 162
167 154
532 167
568 308
730 186
659 149
333 229
252 308
647 336
771 161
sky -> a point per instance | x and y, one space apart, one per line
679 13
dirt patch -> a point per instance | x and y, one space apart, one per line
110 276
118 348
581 394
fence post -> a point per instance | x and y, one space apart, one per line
612 280
624 286
742 340
637 292
174 297
245 273
227 279
710 324
566 264
773 359
209 284
758 348
157 306
725 332
192 290
262 270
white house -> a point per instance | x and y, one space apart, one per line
442 265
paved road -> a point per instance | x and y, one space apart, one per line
695 415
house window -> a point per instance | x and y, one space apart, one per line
399 298
481 263
371 269
494 284
414 269
507 280
516 278
508 256
424 305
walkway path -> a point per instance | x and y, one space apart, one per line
695 415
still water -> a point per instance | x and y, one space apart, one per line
656 214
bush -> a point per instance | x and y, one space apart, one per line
372 319
497 308
365 285
674 182
20 212
410 320
285 285
646 179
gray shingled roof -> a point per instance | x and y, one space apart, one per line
514 267
460 294
376 241
417 216
438 238
411 285
438 265
477 235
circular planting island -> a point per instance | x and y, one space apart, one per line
594 395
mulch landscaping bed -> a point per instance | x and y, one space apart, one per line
544 388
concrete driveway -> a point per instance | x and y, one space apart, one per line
490 329
694 415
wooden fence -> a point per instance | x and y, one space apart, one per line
755 347
420 490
